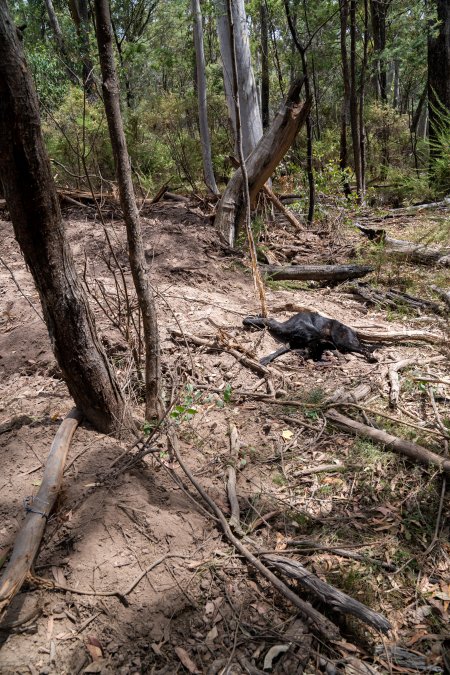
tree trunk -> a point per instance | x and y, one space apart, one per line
205 140
262 162
248 95
378 9
354 118
34 208
309 140
153 404
345 111
439 68
265 81
79 11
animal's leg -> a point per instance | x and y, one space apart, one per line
271 357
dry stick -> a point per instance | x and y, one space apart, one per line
392 419
439 421
320 623
257 280
307 545
287 214
235 519
430 378
394 379
203 342
403 447
29 538
338 600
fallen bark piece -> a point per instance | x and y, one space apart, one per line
415 452
29 538
339 601
315 272
407 250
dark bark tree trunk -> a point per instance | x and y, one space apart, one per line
309 139
354 117
79 11
345 111
200 79
153 403
34 208
362 91
378 10
439 68
265 82
59 38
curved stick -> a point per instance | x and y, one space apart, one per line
29 538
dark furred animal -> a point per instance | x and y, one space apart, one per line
311 331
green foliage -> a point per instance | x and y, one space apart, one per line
440 152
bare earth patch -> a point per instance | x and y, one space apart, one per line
201 608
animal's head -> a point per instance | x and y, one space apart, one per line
255 322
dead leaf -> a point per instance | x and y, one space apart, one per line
272 654
287 434
211 636
186 660
355 666
58 575
94 648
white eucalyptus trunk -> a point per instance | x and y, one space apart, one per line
252 130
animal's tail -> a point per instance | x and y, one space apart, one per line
255 321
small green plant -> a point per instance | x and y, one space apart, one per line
185 411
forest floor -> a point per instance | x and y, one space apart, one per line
201 608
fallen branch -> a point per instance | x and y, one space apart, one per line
320 624
29 538
286 213
339 601
398 445
393 298
211 344
307 545
315 272
406 250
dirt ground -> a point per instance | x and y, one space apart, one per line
200 608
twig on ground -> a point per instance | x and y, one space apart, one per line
319 623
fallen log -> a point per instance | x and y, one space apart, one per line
393 298
262 162
29 538
339 601
315 272
415 452
407 250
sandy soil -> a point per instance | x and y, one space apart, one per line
200 608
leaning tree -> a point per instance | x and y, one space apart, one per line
33 205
